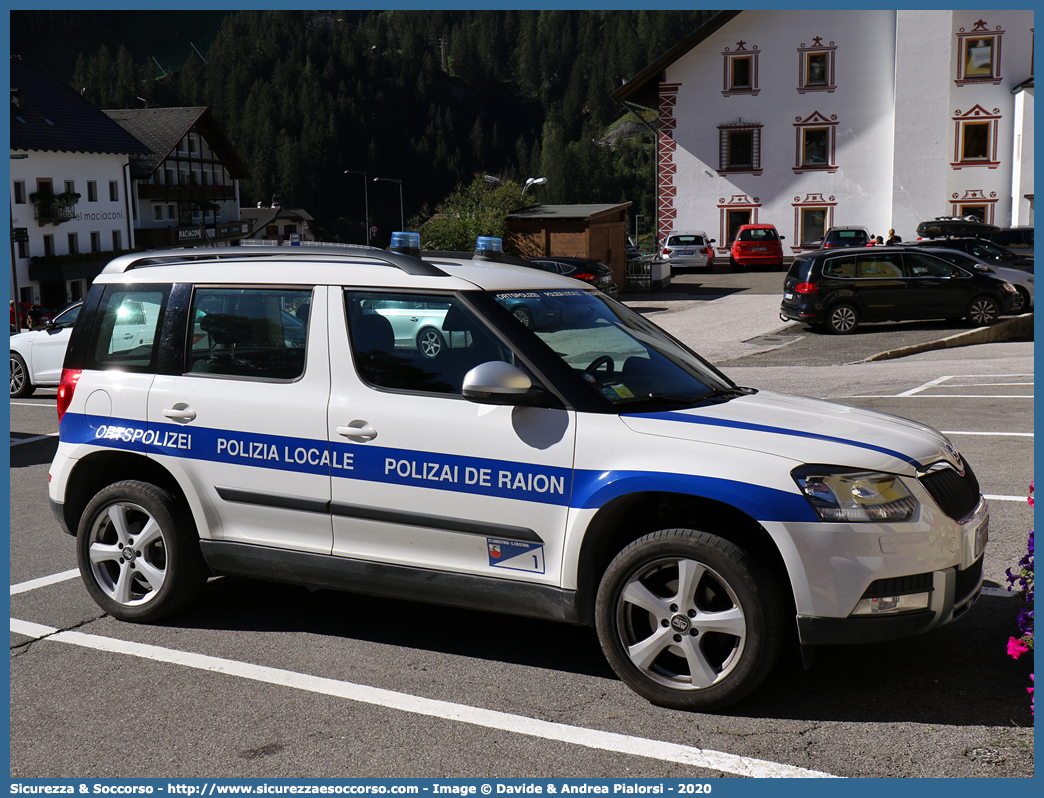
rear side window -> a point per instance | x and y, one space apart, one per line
257 333
840 267
800 269
126 328
880 266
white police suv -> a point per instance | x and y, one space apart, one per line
277 422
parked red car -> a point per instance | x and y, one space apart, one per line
23 312
757 245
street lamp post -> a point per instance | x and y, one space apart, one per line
533 181
366 203
402 218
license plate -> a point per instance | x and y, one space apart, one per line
759 249
788 296
686 252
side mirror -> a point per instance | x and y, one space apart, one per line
782 238
499 383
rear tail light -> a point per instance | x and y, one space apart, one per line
666 253
66 388
806 288
587 277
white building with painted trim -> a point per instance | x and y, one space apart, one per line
808 119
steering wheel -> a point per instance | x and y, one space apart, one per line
598 362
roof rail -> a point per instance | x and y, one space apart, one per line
483 254
331 252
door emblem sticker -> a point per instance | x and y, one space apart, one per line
515 555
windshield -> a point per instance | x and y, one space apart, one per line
614 351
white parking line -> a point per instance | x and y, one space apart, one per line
995 498
17 441
487 718
44 581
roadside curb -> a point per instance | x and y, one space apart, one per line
1013 329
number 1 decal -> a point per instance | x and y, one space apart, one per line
515 555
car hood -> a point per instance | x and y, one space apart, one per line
805 431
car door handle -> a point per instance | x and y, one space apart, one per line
180 412
358 430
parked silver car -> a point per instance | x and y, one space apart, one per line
688 249
1022 280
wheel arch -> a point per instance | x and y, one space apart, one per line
627 518
97 470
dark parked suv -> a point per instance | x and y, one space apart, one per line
840 289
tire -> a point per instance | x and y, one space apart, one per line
982 311
732 263
1021 303
139 553
430 342
523 314
20 385
842 319
702 650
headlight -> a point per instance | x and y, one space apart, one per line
845 495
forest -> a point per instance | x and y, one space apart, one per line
431 98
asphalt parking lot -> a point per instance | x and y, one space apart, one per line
262 680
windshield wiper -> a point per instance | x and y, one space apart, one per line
728 393
717 393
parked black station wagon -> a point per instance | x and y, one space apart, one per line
841 289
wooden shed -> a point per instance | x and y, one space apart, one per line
598 232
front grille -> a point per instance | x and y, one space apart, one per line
956 496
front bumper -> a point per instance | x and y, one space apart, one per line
954 592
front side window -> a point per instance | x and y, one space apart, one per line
256 333
615 353
927 266
418 342
126 327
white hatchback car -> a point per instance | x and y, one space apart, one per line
37 355
591 469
